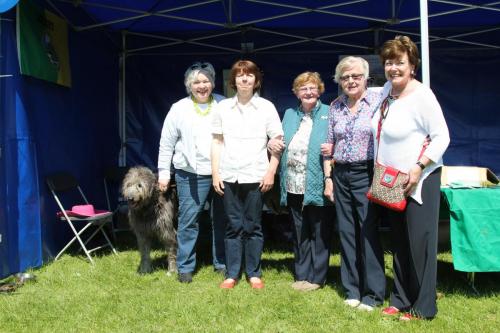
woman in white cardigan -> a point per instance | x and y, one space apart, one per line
412 114
185 142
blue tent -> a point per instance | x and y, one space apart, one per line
127 62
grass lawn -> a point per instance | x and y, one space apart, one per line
71 295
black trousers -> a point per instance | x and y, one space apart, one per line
362 262
244 238
414 240
312 239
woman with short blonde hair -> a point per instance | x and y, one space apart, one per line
351 148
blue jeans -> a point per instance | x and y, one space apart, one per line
243 204
194 191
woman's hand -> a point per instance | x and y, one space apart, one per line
413 179
326 149
267 182
276 145
329 190
163 184
218 184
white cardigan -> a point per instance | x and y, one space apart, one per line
409 120
179 137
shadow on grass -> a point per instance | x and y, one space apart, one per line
451 281
277 238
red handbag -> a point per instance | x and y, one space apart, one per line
387 187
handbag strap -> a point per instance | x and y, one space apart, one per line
384 109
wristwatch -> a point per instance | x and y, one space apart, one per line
421 165
326 177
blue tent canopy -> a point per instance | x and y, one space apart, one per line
128 58
350 23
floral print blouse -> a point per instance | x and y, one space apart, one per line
350 133
297 157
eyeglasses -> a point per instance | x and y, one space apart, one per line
199 65
354 77
306 89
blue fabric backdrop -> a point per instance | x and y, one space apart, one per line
21 241
464 83
47 128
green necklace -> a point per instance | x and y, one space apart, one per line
197 107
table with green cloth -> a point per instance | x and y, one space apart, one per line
474 228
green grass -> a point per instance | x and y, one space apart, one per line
70 295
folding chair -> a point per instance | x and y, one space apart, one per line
113 178
63 183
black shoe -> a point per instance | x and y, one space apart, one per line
185 277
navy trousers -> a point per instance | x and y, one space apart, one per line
243 204
312 239
362 261
414 241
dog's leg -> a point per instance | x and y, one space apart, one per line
172 255
144 244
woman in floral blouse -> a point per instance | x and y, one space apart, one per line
350 153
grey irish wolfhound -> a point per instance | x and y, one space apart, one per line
151 214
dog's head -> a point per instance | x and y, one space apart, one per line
139 186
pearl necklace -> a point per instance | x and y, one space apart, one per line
197 107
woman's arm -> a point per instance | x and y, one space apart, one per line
217 142
328 179
168 139
267 182
435 126
437 142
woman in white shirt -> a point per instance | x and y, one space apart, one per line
412 114
243 125
185 142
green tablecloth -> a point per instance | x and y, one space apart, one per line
474 228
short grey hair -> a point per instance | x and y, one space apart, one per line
349 62
192 72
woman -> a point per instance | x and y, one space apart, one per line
349 132
185 143
412 113
301 177
243 124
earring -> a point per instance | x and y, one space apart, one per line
412 72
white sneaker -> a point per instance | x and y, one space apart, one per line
308 286
298 284
352 302
365 307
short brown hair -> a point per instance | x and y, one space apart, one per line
306 77
397 47
246 67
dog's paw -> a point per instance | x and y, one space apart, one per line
144 270
172 267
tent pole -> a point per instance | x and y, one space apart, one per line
424 42
122 127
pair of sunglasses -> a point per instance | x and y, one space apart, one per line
199 65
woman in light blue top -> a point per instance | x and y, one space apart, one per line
185 143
